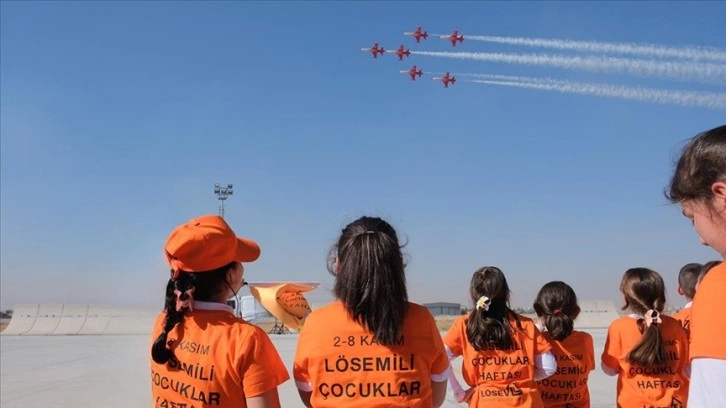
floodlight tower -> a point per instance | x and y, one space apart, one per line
222 193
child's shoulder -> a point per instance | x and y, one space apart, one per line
415 309
521 322
579 336
671 323
513 316
624 321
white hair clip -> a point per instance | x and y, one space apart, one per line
652 317
483 303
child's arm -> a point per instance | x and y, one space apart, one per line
609 370
459 394
270 399
545 365
609 361
304 397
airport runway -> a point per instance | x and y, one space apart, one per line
112 371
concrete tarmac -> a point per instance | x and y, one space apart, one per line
112 371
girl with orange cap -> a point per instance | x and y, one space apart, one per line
202 354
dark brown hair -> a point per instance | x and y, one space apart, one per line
702 163
556 305
688 277
370 278
207 286
644 290
486 328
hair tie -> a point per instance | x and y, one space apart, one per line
188 302
483 303
652 317
557 312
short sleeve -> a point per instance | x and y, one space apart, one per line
612 351
440 361
455 337
683 344
262 368
300 364
590 349
541 344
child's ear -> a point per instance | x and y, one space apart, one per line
680 291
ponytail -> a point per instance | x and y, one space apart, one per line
650 350
160 353
488 326
370 278
558 325
644 293
557 308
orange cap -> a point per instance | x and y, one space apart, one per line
205 244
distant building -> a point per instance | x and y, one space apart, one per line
444 309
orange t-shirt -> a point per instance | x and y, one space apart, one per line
665 386
503 378
708 331
222 359
684 316
342 365
567 387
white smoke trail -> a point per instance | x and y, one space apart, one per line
709 100
643 50
695 71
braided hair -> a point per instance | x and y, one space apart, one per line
204 286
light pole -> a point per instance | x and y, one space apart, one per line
222 193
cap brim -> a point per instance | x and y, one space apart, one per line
247 250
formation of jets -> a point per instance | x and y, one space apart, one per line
401 52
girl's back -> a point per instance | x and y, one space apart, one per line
502 378
345 366
222 360
660 386
567 387
371 347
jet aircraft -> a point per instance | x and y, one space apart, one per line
418 34
454 37
412 72
446 79
374 50
401 52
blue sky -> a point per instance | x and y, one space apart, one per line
117 118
